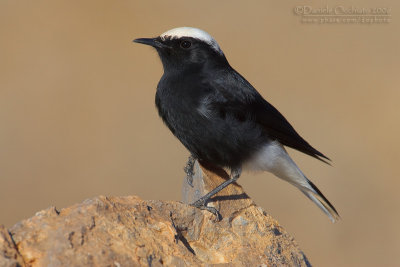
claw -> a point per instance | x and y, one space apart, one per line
189 179
189 174
189 170
202 202
202 205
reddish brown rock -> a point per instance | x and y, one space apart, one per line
128 231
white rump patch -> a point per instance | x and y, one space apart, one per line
274 158
193 33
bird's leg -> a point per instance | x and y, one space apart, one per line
189 170
202 202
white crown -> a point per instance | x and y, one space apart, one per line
193 33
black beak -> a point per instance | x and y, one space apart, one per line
154 42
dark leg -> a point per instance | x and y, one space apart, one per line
189 170
202 202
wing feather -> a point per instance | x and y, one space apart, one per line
235 94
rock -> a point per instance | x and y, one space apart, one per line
9 255
128 231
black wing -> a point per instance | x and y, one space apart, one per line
237 95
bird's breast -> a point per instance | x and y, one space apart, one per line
211 134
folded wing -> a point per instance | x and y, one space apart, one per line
234 94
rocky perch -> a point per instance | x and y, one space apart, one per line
128 231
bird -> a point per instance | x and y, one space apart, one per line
222 119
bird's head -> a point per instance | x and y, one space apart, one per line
186 47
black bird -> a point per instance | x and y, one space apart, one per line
221 118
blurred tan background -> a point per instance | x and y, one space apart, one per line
77 113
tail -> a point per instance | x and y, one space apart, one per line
274 158
321 201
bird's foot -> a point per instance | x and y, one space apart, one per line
202 204
189 178
189 170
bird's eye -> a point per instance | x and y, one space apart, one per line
186 44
